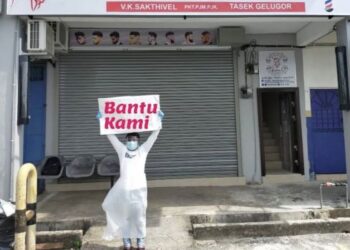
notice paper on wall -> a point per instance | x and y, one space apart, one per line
277 69
120 115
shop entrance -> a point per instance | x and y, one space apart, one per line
280 131
197 94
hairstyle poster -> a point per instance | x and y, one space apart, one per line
141 37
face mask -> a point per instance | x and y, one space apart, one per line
132 145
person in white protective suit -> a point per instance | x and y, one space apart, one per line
126 203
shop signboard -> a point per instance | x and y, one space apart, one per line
180 7
120 115
277 69
113 38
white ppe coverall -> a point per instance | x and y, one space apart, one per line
126 203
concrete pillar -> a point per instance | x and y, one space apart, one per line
8 79
303 114
343 38
249 126
51 134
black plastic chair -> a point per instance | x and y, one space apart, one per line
51 167
81 166
108 166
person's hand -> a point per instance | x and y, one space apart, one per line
161 115
98 115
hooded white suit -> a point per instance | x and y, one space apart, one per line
126 203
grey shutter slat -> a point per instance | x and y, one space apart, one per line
197 94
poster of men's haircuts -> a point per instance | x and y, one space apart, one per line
277 69
141 37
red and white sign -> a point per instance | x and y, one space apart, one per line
179 7
120 115
204 7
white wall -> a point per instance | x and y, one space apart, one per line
10 152
319 70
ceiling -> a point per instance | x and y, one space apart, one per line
329 39
252 25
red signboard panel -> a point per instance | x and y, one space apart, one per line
172 6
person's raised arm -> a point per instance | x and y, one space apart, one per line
153 137
117 145
147 145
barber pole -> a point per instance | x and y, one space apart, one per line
329 5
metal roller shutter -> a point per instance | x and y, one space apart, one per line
197 93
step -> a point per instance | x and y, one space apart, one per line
270 228
267 136
271 149
52 246
266 129
266 133
66 239
269 142
272 157
273 165
244 224
240 217
52 225
66 234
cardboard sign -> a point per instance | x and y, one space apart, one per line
179 8
120 115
